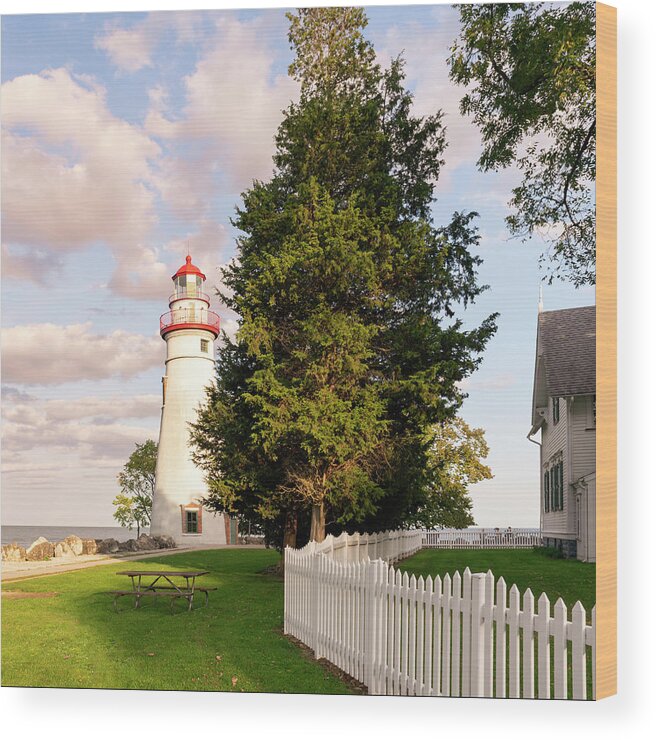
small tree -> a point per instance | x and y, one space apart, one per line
137 481
456 463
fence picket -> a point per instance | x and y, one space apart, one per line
436 605
500 619
446 635
488 632
578 651
428 635
456 597
513 644
544 662
465 606
560 649
528 650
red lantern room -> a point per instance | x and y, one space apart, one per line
189 304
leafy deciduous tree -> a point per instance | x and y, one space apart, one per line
530 73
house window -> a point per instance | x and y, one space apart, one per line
592 412
555 409
204 345
553 487
191 521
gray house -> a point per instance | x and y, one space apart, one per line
564 413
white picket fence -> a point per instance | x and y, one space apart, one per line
497 538
462 636
390 546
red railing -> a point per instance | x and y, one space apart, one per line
189 318
181 295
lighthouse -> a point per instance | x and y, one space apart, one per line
189 329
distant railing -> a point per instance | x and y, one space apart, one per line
185 294
493 538
194 318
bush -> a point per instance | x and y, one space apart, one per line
555 553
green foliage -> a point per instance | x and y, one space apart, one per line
529 69
455 464
137 481
348 351
555 553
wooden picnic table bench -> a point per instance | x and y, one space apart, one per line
161 583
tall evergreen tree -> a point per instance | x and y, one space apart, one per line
348 351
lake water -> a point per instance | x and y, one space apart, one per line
25 535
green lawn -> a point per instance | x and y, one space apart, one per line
75 639
570 579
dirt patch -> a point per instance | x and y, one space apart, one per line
355 686
28 594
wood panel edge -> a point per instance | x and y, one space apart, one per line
606 490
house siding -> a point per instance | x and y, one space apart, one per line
554 442
583 439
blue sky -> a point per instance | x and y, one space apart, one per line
127 137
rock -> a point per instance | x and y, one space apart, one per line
145 542
107 546
128 546
13 552
75 543
89 547
164 542
63 550
40 550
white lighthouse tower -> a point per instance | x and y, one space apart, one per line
189 329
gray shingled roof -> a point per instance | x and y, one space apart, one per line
568 343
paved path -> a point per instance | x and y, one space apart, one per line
20 570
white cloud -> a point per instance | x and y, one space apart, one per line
73 173
128 48
131 49
234 103
91 427
48 354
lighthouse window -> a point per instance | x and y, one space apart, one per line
204 345
192 521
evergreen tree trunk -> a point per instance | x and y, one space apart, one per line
318 522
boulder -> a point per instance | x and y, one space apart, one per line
107 546
13 552
75 543
128 546
89 547
64 550
40 549
164 542
144 542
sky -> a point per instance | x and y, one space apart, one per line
127 139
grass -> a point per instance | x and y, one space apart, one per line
570 580
75 639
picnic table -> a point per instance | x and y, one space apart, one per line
157 583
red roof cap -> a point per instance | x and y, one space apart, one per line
188 269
